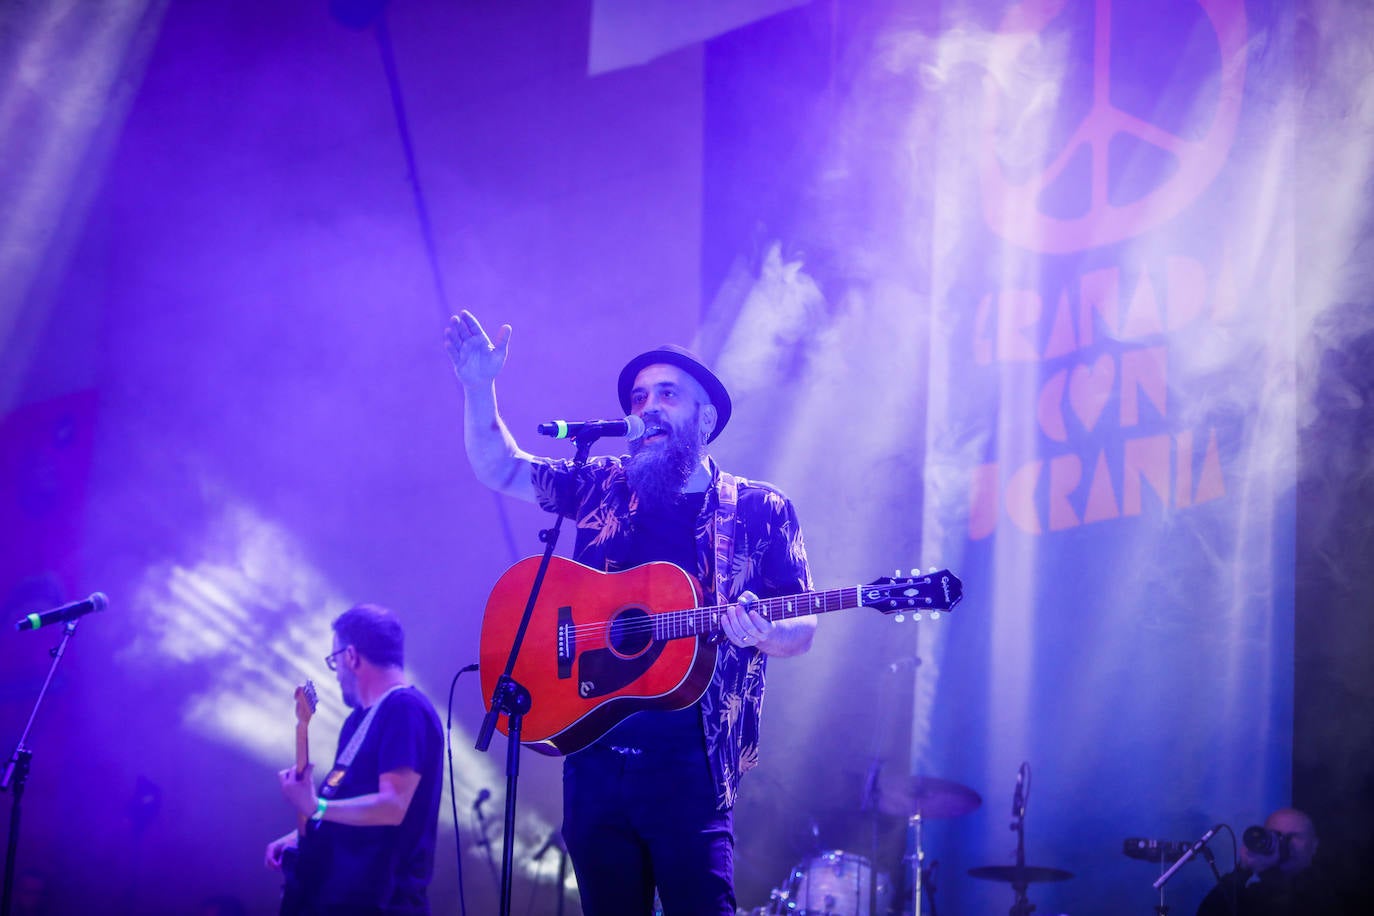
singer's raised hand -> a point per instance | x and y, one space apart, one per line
477 359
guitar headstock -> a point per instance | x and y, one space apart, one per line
937 590
306 701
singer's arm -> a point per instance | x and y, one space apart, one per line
496 458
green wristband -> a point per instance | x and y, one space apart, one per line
320 807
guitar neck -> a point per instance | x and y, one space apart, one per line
706 621
302 761
302 747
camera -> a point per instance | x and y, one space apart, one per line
1261 841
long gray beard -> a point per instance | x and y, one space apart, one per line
656 477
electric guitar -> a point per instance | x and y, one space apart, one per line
296 864
601 646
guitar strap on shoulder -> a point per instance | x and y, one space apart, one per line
723 533
355 743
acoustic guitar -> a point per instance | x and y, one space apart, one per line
601 646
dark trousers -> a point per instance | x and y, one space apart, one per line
633 822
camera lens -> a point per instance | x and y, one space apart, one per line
1260 840
1265 842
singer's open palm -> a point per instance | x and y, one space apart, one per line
475 356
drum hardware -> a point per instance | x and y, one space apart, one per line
1179 854
929 797
834 883
916 799
920 799
1020 876
1147 850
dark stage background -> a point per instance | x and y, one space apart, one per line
1071 296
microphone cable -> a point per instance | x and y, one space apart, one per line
453 788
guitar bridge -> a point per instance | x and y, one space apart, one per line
567 642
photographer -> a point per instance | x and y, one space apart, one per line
1279 859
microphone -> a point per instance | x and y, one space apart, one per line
481 797
1018 798
631 427
1183 859
66 612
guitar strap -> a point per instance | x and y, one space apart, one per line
355 742
723 533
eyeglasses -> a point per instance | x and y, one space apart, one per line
332 659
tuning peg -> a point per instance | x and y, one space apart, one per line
899 618
916 615
934 615
915 572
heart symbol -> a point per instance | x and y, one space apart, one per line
1089 389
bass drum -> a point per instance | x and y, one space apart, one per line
835 883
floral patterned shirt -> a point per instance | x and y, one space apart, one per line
747 539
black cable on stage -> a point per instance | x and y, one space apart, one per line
453 787
393 82
361 14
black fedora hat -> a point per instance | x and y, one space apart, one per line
685 360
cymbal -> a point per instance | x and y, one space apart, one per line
1020 874
930 797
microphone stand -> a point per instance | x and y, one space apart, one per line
1199 847
511 698
16 771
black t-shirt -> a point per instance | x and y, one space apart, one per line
1308 893
663 533
386 868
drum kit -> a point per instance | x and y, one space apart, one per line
840 883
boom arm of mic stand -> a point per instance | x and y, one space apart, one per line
1183 859
511 698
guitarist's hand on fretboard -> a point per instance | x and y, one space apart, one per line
743 627
299 790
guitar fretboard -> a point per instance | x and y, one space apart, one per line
701 621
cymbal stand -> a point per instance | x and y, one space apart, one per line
918 862
1161 908
915 821
868 805
1022 906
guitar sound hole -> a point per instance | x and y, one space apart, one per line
631 632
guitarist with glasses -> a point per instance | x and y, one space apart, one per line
367 840
649 805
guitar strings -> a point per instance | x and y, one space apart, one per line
690 620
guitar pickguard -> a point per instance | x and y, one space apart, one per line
601 671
